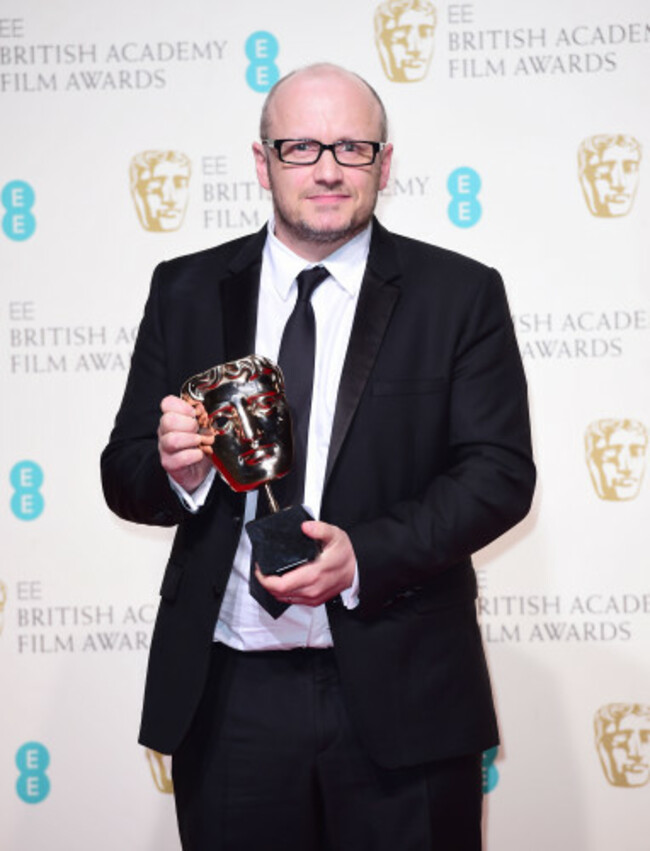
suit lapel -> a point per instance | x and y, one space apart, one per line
377 299
239 297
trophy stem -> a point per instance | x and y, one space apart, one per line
273 505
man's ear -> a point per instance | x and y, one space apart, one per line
386 159
261 164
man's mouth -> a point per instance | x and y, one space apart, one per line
325 198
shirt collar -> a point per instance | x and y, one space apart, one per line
346 265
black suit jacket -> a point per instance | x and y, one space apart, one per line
430 460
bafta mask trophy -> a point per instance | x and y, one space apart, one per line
244 416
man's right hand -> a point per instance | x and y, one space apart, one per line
180 445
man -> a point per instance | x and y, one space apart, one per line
356 719
404 31
608 167
159 186
623 742
616 451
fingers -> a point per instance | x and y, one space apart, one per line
181 446
319 580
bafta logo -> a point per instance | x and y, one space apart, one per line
160 187
608 167
404 37
3 600
623 743
160 771
615 452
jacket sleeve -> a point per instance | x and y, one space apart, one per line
135 485
487 483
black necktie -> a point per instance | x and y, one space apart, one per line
296 360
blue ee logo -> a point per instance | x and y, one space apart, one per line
33 784
18 222
490 771
26 478
464 209
262 49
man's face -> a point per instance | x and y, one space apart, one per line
320 207
613 177
628 747
164 191
408 46
251 424
621 464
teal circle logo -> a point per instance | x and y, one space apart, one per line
262 49
490 771
18 222
26 478
33 784
464 209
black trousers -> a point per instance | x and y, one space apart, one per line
271 762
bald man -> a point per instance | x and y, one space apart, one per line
356 717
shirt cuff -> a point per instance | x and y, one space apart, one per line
350 596
193 502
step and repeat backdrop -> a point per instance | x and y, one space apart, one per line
522 138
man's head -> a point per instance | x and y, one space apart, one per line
615 452
159 186
623 742
608 167
320 206
248 415
404 37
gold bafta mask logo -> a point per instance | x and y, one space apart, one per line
615 452
160 767
3 600
160 182
623 743
608 167
404 37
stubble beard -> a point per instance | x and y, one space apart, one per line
302 231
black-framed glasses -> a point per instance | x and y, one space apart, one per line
348 152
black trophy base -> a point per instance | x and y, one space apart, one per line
279 544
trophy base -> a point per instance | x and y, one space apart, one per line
279 544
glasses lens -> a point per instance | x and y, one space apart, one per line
301 152
355 153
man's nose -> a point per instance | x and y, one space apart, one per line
327 169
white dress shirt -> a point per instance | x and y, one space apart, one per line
243 624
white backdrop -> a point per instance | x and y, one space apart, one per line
489 104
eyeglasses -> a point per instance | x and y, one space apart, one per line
351 153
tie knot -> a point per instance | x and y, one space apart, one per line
308 280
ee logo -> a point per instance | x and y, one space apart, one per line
26 478
262 49
464 209
18 222
33 784
490 771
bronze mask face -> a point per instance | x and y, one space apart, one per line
243 406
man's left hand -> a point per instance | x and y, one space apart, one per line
317 581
